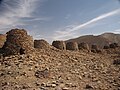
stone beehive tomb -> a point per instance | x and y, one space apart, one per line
72 46
95 49
106 47
18 42
113 45
59 45
42 44
83 46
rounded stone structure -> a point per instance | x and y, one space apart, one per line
72 46
83 46
106 47
18 42
59 45
95 49
42 44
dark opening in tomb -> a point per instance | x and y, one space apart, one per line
22 51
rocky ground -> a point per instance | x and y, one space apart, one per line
54 69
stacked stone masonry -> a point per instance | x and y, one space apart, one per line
41 44
72 46
83 46
59 45
18 42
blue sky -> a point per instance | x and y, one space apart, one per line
60 19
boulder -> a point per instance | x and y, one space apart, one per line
42 74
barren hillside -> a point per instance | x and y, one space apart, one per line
100 40
54 69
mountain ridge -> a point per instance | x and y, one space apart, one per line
100 40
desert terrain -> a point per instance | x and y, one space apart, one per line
50 68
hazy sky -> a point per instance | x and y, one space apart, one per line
60 19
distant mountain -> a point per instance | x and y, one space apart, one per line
100 40
112 37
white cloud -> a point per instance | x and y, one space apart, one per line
117 31
13 11
62 34
39 19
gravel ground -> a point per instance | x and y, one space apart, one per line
54 69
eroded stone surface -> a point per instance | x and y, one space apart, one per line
41 44
2 40
16 40
59 45
72 46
